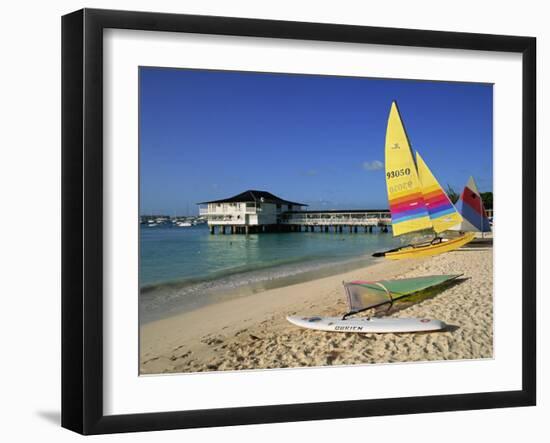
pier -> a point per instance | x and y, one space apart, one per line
333 221
254 212
352 220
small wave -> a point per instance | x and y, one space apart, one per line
231 272
159 300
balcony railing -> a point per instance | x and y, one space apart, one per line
361 219
229 211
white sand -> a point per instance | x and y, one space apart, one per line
252 332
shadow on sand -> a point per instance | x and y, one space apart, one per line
410 300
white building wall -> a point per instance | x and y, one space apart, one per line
245 213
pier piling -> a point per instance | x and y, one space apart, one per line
305 221
255 229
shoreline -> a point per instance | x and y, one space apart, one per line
190 331
213 291
251 332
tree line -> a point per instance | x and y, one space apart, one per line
486 197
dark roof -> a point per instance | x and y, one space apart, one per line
251 196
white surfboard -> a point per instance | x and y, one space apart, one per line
365 325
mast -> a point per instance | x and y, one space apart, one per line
470 205
406 201
442 212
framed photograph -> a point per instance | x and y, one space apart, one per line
269 221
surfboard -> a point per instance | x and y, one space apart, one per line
365 325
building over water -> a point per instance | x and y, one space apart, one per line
249 211
260 211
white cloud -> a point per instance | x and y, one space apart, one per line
310 172
374 165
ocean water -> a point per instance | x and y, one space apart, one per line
185 268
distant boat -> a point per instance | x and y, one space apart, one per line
470 206
418 203
183 224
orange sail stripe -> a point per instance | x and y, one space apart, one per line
407 206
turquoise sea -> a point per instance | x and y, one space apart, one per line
185 268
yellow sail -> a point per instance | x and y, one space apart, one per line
408 210
442 212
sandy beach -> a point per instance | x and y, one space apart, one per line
251 332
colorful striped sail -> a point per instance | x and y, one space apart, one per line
442 212
406 200
470 206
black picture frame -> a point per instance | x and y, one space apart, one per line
82 219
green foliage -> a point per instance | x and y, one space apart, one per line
487 198
452 194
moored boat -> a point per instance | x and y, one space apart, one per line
471 208
418 203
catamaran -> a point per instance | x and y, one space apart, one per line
365 295
418 203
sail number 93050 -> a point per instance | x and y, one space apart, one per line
398 173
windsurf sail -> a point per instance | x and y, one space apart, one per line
442 212
406 200
470 206
363 295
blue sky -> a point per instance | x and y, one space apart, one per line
319 140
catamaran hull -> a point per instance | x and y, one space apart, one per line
366 325
428 250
